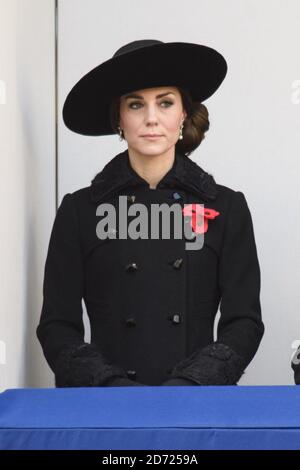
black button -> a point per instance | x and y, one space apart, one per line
131 198
177 263
131 267
175 319
130 322
131 374
168 371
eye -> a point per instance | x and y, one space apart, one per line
168 102
137 103
133 104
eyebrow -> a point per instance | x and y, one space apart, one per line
141 97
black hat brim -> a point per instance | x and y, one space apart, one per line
198 68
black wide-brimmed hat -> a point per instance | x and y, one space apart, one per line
146 63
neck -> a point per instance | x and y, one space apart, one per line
152 168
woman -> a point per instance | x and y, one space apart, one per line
151 300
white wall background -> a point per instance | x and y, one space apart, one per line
27 181
252 146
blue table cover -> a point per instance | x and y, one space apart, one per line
160 418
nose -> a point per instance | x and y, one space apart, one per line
150 115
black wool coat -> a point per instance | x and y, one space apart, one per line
151 302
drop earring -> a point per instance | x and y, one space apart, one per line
120 133
180 132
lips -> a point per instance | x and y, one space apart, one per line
152 135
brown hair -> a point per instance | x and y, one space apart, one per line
196 122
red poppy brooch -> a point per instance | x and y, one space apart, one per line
199 216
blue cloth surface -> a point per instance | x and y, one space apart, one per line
169 418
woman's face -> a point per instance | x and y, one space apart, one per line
151 111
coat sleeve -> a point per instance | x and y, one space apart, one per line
240 328
61 330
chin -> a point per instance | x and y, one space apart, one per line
152 149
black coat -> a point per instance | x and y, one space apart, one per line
151 303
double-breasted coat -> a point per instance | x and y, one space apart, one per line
151 302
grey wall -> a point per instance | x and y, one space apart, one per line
27 182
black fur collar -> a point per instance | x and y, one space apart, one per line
185 173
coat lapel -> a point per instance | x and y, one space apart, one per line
185 174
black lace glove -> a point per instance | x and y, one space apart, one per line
84 366
216 364
178 382
123 382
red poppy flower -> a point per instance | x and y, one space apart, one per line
199 216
